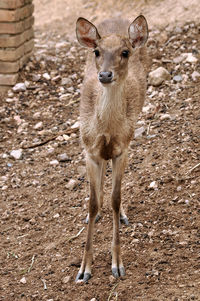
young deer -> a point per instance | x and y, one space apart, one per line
112 97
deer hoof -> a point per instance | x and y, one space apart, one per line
115 272
124 220
82 277
118 272
98 217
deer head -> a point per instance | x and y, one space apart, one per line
112 53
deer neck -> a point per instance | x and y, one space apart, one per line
111 105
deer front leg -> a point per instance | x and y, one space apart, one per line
118 171
94 174
102 167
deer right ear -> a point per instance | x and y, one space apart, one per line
86 33
138 32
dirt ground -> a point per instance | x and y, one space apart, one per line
42 233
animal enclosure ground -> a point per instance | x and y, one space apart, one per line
42 211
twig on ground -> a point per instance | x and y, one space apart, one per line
69 131
44 282
32 262
112 291
75 236
190 170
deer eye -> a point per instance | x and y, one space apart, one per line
125 53
96 52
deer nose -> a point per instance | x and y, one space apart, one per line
105 76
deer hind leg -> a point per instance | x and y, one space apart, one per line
94 173
101 193
123 217
118 171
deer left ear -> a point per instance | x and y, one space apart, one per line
138 32
86 33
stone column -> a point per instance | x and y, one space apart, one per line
16 39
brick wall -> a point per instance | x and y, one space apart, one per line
16 39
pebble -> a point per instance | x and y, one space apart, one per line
70 89
158 76
153 185
46 76
36 77
66 279
75 125
190 58
66 81
54 162
195 75
63 157
36 115
23 280
71 184
139 132
66 137
38 126
148 108
177 78
178 59
179 188
165 116
20 87
16 154
57 215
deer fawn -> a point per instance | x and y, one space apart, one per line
112 97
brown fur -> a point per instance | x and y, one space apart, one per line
108 113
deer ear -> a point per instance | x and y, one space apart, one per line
138 32
86 33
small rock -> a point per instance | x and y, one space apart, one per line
148 108
16 154
177 78
195 75
46 76
63 157
54 162
179 188
20 87
36 115
66 137
178 59
38 126
158 76
191 58
153 185
70 89
23 280
66 279
71 184
165 116
139 132
66 81
75 125
36 77
57 215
